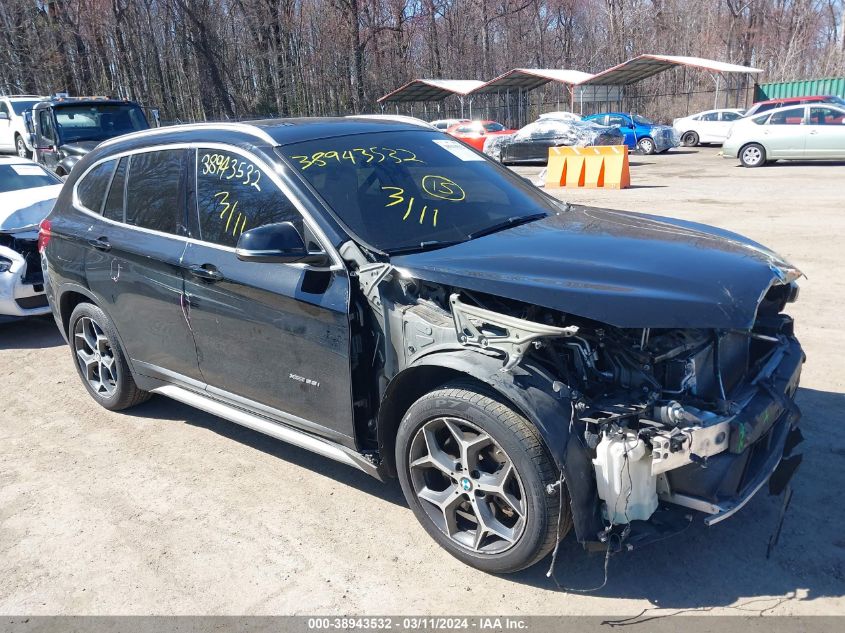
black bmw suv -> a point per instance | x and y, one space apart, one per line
385 296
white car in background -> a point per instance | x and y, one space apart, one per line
710 126
14 136
27 195
815 131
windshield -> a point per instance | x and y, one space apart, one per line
397 191
98 122
641 120
25 176
22 106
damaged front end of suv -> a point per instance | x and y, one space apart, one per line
510 351
652 354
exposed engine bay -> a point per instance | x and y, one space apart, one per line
652 409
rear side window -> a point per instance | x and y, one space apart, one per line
113 209
826 116
154 196
91 190
234 195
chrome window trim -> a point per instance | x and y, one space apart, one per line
270 172
252 130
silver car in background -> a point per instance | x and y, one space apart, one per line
803 132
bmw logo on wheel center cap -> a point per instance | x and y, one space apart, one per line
466 484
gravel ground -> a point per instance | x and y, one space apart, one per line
169 510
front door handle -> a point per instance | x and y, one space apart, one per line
208 272
101 244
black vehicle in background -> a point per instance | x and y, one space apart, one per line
64 129
388 297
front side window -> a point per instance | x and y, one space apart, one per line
710 116
792 116
494 127
154 193
235 195
407 190
92 188
641 120
45 122
731 116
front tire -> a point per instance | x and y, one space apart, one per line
646 145
752 155
100 360
689 139
20 147
474 472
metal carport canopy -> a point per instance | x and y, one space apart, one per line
645 66
531 78
431 90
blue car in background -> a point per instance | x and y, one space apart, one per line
639 132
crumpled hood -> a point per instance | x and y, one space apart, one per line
25 208
623 269
79 148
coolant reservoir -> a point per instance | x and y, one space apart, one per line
624 479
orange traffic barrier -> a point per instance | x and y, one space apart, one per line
604 166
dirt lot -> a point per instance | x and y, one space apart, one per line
169 510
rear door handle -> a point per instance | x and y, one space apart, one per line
101 244
208 272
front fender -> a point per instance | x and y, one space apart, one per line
67 163
529 389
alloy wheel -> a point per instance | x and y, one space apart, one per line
467 485
647 146
752 155
95 356
21 147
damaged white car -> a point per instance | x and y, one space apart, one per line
27 194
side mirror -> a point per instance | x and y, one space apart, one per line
4 116
276 243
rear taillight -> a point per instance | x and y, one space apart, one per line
43 235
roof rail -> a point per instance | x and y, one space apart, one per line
235 127
22 96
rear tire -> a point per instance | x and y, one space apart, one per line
752 155
453 500
100 360
689 139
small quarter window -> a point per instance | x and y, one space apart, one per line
113 208
92 188
234 195
154 197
